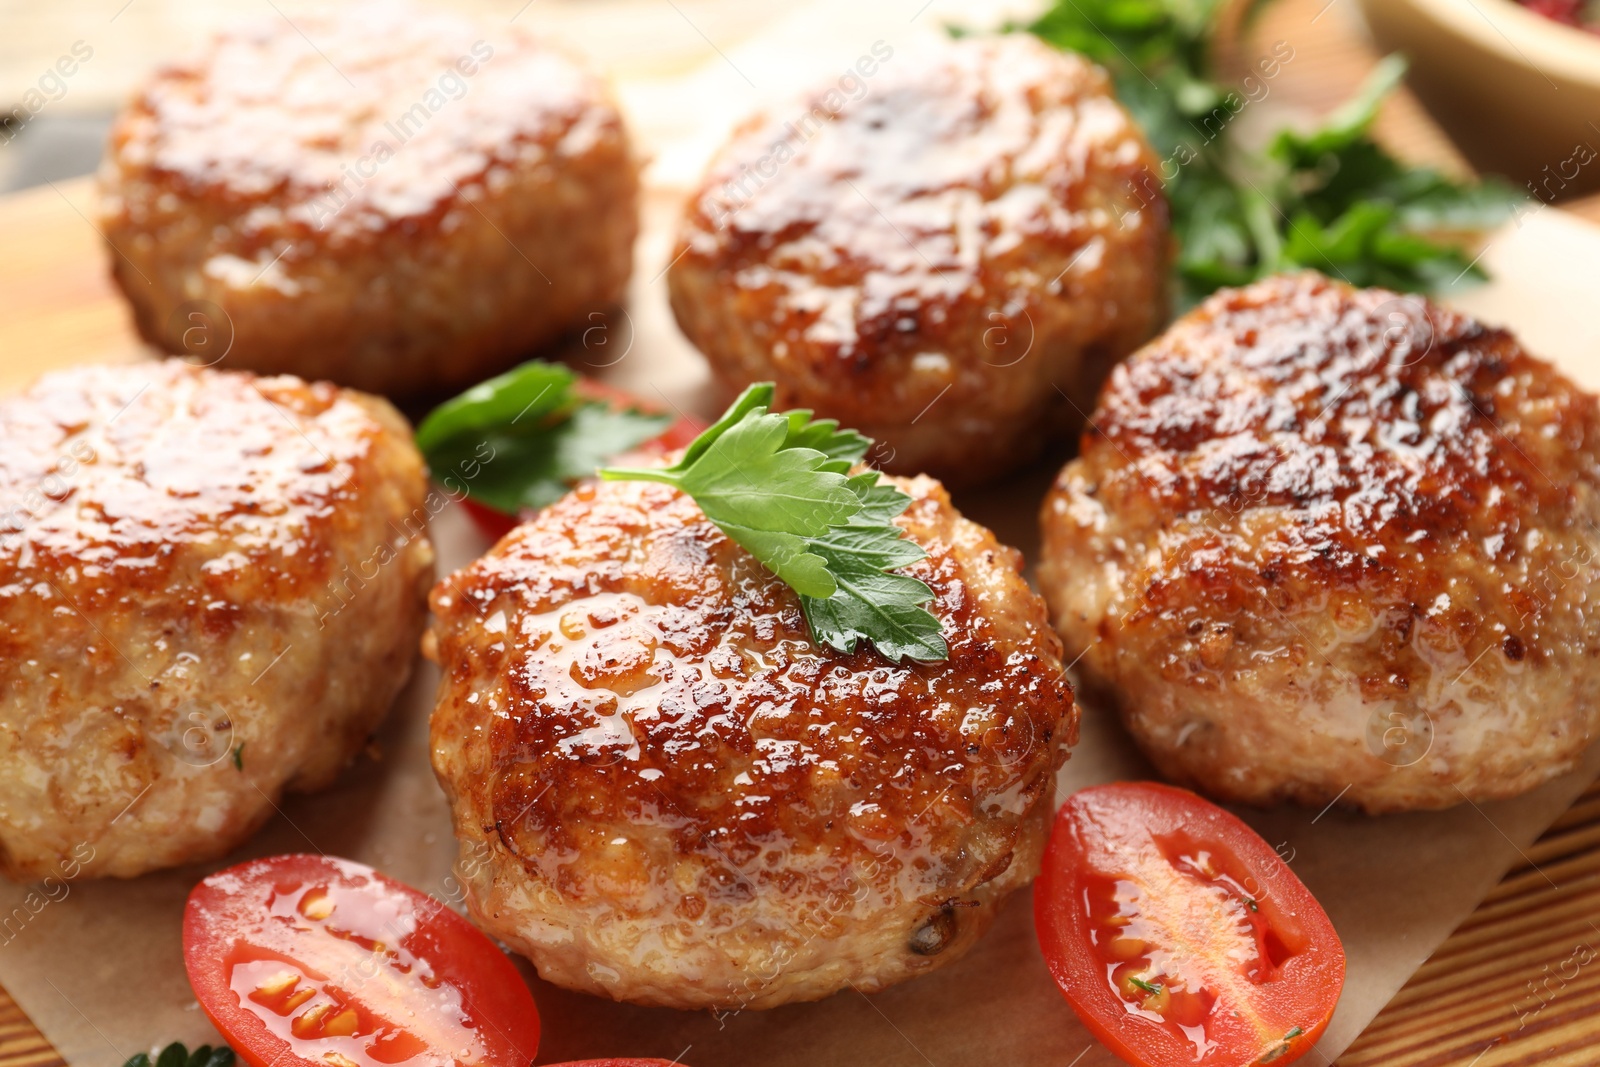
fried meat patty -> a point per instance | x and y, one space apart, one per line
1331 543
950 263
211 589
402 206
666 793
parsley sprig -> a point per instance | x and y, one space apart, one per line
1332 199
780 485
522 439
176 1055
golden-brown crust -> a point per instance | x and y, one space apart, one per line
401 206
970 231
638 735
1374 512
206 459
193 562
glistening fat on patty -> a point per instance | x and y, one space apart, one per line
1326 543
408 205
211 589
950 262
666 793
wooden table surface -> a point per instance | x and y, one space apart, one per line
1518 983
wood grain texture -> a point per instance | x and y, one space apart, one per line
1517 984
21 1045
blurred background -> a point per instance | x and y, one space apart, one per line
125 39
53 125
1514 92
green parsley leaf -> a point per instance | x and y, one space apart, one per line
1330 199
844 448
824 435
779 486
176 1055
871 604
1347 125
766 495
522 439
771 498
1148 987
756 396
526 394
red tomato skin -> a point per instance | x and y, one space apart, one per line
1311 980
216 923
493 524
679 434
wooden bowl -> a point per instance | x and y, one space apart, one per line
1517 92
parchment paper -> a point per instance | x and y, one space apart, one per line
100 969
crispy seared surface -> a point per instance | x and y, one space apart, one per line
969 234
1322 538
666 793
403 206
193 563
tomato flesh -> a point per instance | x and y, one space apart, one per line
320 961
1178 935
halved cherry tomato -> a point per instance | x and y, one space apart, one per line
312 961
1178 935
496 524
